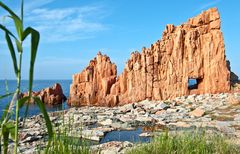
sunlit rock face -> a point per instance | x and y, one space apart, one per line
51 95
193 50
93 84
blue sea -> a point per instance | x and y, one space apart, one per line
132 136
37 85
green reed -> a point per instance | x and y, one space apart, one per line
66 141
10 129
187 143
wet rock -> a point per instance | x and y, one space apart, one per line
146 134
94 135
121 126
104 129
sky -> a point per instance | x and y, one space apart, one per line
73 31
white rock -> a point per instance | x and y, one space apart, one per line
162 106
146 134
92 134
106 122
126 108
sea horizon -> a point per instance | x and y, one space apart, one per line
37 86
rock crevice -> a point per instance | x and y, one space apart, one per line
193 50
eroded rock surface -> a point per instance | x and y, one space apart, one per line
93 84
193 50
51 95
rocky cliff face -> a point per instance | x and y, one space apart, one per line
51 95
93 84
193 50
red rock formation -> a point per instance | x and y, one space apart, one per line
94 83
52 95
193 50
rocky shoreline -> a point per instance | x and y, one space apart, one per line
210 112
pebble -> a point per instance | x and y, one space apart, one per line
201 111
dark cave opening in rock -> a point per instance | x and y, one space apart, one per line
193 83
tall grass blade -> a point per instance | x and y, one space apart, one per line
5 112
22 101
17 63
12 52
7 9
22 10
35 37
6 86
5 134
16 19
10 127
6 95
10 108
7 131
45 115
19 46
7 31
47 120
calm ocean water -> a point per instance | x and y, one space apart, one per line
132 136
37 85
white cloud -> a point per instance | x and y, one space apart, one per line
63 24
28 5
32 4
67 24
207 5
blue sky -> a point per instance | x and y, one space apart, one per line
73 31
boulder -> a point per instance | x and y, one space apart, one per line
233 100
197 112
52 95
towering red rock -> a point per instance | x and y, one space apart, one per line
94 83
193 50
